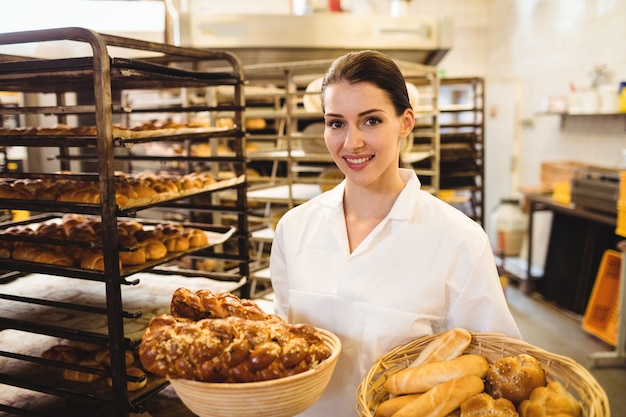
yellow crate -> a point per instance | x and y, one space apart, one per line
602 311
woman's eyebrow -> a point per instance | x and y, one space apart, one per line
363 113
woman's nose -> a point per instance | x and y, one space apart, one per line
353 139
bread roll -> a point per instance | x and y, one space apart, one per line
514 377
551 400
446 346
425 377
133 385
197 238
80 376
483 404
153 248
39 253
92 259
388 407
104 357
135 257
176 243
5 249
61 353
85 346
443 398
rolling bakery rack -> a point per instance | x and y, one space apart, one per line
101 78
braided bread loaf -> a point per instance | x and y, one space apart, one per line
205 304
230 349
218 337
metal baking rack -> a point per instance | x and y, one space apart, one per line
101 77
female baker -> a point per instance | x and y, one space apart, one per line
376 260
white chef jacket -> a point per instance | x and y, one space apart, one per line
425 268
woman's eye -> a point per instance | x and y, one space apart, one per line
372 121
334 124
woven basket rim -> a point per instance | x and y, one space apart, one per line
572 375
331 340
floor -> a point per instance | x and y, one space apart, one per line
541 323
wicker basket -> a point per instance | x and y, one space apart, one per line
283 397
492 346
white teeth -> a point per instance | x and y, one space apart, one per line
357 161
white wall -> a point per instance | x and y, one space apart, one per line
543 46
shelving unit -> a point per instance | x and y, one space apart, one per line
461 106
102 77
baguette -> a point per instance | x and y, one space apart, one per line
443 398
388 407
425 377
446 346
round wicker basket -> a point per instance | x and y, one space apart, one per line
283 397
492 346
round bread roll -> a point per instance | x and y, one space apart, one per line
85 346
483 404
256 123
551 400
80 376
136 257
133 385
176 243
197 237
514 377
104 357
61 353
153 248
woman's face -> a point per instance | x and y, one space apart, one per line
363 131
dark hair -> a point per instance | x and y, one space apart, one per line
372 67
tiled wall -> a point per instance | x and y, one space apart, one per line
544 46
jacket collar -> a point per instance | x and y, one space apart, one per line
403 208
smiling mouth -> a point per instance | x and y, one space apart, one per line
359 160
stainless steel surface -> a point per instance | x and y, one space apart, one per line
258 39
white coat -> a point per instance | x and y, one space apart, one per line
425 268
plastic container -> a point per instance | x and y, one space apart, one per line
601 314
621 103
509 223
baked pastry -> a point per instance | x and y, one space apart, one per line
83 376
61 353
446 346
153 248
514 377
104 357
425 377
204 304
175 242
133 385
84 346
388 407
443 398
230 349
483 405
42 254
551 400
197 238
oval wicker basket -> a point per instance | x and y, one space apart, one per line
492 346
283 397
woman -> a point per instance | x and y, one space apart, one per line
376 260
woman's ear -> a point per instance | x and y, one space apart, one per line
408 122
